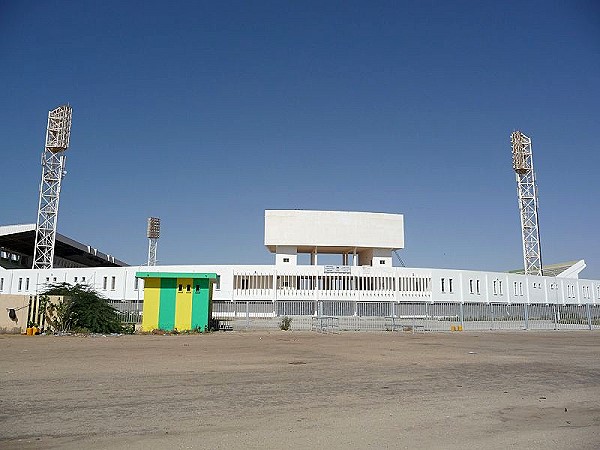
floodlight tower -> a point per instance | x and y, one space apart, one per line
153 233
522 158
58 133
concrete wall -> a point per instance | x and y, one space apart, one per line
286 255
119 283
15 302
299 228
376 257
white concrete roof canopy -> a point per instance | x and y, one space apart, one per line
333 231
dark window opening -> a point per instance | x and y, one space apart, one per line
181 288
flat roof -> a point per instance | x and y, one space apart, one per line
553 270
175 275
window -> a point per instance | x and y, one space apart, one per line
286 259
495 287
450 285
478 291
1 284
382 261
197 288
218 283
47 279
515 288
443 287
188 288
20 283
181 288
75 279
26 284
500 287
136 284
54 279
104 283
83 279
112 283
470 286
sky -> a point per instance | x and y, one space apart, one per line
207 113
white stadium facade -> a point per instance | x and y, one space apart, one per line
365 291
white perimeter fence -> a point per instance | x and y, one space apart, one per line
330 315
342 315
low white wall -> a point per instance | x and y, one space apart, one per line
395 283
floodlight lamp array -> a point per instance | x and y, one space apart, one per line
521 152
58 132
153 230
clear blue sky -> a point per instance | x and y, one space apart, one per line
207 113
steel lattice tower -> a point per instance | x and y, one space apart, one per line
53 171
522 157
153 233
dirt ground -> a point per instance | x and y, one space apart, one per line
302 390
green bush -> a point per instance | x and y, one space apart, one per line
82 308
286 323
129 329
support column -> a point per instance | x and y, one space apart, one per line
313 257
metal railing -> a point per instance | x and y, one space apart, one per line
345 315
129 311
406 316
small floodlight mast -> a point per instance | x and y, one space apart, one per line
53 170
153 233
522 157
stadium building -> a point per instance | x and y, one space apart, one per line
365 291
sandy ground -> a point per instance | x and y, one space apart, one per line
302 390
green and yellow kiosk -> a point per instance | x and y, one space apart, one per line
177 301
